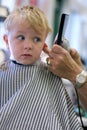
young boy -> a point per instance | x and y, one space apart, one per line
32 98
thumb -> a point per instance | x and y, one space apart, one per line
76 57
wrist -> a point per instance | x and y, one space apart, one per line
83 87
74 75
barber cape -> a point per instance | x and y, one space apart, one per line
32 98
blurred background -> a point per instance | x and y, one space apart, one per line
76 31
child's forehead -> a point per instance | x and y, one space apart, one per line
25 26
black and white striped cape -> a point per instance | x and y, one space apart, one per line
32 98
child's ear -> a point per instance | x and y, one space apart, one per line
46 49
5 38
44 46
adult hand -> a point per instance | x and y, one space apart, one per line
63 63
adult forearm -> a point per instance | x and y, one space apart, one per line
82 92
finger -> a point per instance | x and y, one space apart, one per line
51 65
75 55
58 49
58 53
48 60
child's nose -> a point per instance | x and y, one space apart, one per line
28 45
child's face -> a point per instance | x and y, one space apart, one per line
25 44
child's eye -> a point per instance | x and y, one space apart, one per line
36 39
21 37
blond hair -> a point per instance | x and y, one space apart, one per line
35 17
